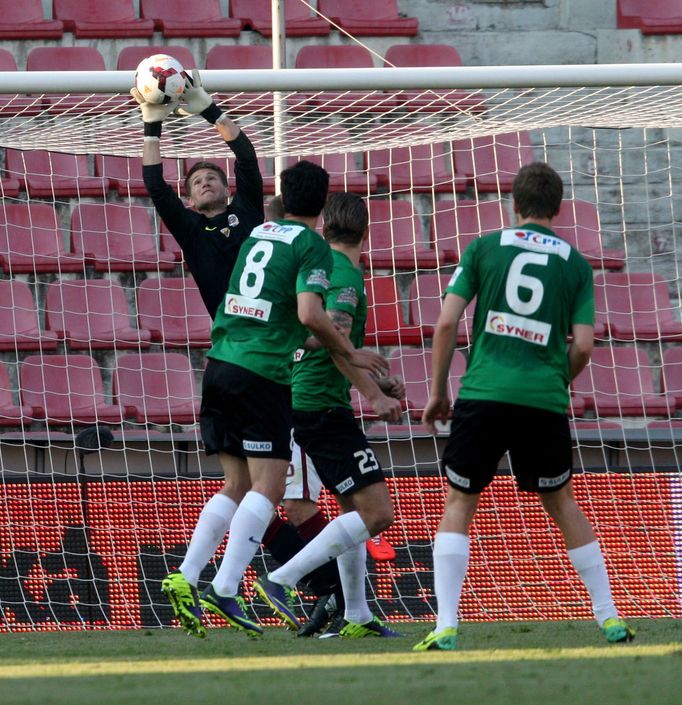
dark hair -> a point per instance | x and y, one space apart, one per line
275 209
537 191
204 165
345 218
304 189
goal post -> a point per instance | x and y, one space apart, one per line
86 544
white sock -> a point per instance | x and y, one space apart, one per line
588 560
212 525
249 523
450 562
352 569
346 531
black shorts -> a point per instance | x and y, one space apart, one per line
338 448
244 414
538 441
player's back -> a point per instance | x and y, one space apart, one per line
531 286
257 326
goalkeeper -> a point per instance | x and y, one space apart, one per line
210 234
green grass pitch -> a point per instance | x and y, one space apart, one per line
507 663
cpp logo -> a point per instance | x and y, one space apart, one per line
538 238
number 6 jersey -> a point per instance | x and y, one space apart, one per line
531 287
257 326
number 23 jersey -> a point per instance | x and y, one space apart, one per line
531 287
257 326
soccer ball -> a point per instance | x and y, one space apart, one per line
160 78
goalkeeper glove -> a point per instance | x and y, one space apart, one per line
197 101
153 114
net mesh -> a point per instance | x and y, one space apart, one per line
101 324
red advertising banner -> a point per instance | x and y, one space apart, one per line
75 556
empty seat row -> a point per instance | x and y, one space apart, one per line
94 314
489 164
254 57
200 18
634 306
121 236
109 237
90 314
160 388
157 388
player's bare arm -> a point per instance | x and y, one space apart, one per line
580 349
313 316
444 341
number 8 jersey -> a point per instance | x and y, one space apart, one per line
257 326
531 287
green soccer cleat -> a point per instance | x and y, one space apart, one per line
281 600
444 640
231 609
351 630
184 600
617 630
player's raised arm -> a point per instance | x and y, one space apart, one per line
153 115
249 181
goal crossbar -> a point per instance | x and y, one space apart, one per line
397 78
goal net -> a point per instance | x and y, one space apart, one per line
101 325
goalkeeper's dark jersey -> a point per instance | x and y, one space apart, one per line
211 245
531 287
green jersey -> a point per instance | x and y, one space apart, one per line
316 382
257 326
531 288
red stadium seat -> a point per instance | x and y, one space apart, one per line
25 20
65 389
578 224
423 167
396 240
236 57
492 162
9 188
173 312
362 18
636 306
19 319
671 377
618 382
650 16
31 240
344 174
53 174
80 58
426 293
347 56
385 320
114 18
117 237
92 314
431 55
227 165
125 173
198 18
414 366
455 224
168 243
11 105
299 22
130 57
10 413
157 388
